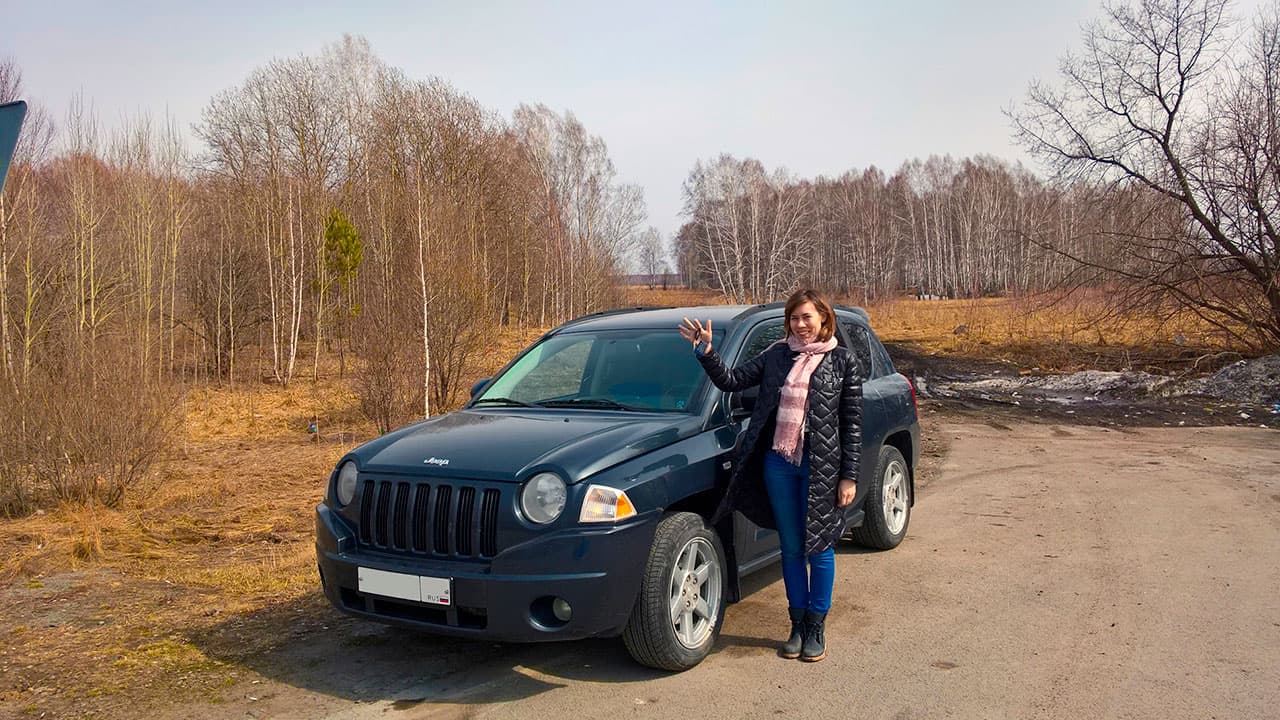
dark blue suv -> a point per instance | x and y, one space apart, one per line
570 497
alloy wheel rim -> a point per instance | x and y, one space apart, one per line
895 497
695 593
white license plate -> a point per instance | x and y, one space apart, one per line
418 588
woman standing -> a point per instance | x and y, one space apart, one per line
799 458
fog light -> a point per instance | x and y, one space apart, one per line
561 609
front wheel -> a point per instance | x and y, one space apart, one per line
678 612
888 503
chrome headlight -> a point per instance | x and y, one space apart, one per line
543 497
605 504
345 488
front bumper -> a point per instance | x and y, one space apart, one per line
597 570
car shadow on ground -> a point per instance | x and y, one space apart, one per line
309 645
306 644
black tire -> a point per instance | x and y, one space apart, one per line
883 528
685 572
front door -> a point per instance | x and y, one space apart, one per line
756 546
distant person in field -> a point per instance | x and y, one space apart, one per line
799 457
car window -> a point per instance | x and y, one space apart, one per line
639 369
861 339
653 369
762 336
553 368
884 364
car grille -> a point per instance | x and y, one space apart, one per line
429 518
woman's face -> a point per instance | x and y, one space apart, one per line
805 322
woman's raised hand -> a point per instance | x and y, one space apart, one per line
694 332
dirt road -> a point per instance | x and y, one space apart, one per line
1050 571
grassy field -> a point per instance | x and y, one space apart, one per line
223 527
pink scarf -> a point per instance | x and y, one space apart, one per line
795 397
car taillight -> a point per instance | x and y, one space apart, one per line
914 404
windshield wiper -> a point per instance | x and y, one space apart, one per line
504 401
587 402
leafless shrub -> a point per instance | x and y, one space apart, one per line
385 384
81 434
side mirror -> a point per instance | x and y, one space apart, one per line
742 404
11 115
475 389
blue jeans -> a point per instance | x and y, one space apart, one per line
808 583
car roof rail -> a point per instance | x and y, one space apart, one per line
757 309
860 312
611 311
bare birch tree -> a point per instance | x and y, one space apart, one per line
1157 99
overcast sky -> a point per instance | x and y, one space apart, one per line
819 88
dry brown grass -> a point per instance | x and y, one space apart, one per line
1050 336
262 411
641 296
1037 332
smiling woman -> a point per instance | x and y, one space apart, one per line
798 461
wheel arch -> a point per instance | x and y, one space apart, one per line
704 504
700 503
902 441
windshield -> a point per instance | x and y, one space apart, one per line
649 370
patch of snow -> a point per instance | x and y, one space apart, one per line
1090 384
1255 381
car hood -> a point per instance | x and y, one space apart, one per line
508 445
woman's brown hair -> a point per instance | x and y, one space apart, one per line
820 304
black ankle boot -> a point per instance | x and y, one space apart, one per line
791 648
815 641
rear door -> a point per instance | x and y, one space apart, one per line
874 411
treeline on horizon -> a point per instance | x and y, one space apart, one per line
939 227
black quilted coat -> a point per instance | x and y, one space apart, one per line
833 435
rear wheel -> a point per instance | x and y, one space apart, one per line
888 504
680 608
